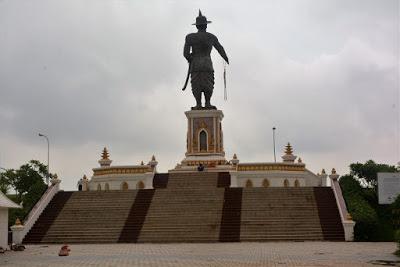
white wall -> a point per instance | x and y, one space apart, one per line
275 178
115 181
4 227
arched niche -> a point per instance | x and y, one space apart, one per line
249 183
140 185
98 187
286 183
265 183
124 186
296 183
107 187
203 141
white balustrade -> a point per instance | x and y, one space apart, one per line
347 222
20 231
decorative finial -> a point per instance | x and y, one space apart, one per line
348 217
289 149
105 160
333 171
299 160
55 176
323 171
18 221
142 163
105 154
235 160
153 158
200 15
288 156
84 177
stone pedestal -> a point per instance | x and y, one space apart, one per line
204 143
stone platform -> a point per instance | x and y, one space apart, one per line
310 254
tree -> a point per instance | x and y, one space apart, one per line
28 184
4 184
373 221
367 173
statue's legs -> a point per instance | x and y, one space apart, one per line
202 82
208 89
197 96
207 96
196 88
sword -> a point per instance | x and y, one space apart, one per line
187 77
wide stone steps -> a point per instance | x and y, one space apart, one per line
190 207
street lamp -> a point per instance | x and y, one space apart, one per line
273 139
48 157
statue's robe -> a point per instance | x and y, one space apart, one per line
201 67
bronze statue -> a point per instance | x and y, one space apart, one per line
197 52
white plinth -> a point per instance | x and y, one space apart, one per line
204 143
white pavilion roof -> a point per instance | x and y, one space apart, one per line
5 202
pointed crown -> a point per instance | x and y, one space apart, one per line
201 20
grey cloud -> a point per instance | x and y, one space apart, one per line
91 74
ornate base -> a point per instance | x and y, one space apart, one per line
204 140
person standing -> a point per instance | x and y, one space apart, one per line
80 182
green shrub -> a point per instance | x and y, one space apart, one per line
350 186
361 211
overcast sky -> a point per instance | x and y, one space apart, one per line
98 73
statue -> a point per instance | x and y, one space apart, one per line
197 52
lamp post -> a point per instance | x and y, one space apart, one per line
48 157
273 139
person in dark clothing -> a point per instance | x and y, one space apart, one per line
80 182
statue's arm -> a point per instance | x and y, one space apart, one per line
220 50
186 50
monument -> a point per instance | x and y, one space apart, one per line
204 133
197 52
205 198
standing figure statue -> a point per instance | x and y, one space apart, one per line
197 51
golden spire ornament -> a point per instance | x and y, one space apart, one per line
289 149
105 154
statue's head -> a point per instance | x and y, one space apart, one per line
201 22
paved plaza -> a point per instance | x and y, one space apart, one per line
215 254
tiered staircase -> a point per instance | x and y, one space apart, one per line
190 207
86 217
272 214
189 215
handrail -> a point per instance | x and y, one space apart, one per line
36 211
347 222
339 199
34 206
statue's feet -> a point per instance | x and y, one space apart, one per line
197 107
209 106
